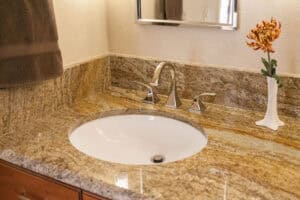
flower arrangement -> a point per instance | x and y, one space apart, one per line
262 38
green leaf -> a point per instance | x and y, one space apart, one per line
279 81
273 71
264 72
274 63
266 64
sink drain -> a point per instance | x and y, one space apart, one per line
157 159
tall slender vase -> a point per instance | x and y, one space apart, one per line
271 119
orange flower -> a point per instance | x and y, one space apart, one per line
263 35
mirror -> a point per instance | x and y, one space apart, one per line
213 13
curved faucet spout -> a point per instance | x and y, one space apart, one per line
157 73
173 99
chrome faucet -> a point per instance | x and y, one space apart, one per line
151 97
173 99
198 106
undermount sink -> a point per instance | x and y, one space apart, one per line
138 139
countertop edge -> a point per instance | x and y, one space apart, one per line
70 178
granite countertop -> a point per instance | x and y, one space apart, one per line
241 160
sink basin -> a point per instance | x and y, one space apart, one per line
138 139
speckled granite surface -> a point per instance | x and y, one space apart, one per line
24 104
234 88
241 161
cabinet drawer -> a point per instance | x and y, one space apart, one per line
17 184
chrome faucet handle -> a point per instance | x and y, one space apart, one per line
197 105
151 97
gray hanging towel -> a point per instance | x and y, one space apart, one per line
174 9
29 50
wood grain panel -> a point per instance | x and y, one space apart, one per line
89 196
18 184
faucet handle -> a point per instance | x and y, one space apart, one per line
197 105
151 97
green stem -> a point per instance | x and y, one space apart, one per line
269 68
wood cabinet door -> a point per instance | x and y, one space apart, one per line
89 196
18 184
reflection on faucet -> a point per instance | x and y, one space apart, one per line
173 99
151 97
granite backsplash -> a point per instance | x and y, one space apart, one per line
24 104
247 90
234 88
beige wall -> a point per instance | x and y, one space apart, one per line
205 45
82 29
207 11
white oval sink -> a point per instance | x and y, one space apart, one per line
135 139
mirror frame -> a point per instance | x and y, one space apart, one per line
230 27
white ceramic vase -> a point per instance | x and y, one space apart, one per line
271 119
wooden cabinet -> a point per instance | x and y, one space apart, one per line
19 184
88 196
